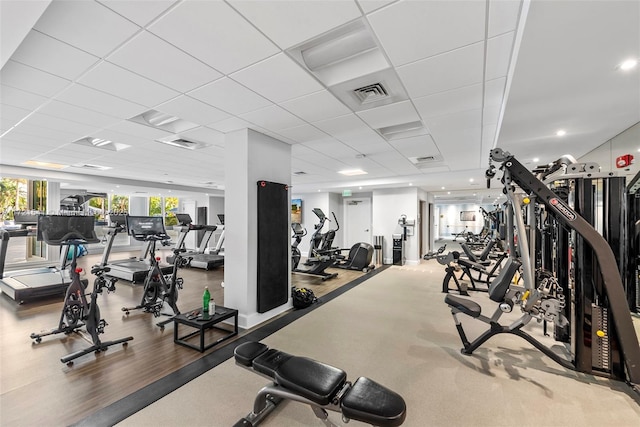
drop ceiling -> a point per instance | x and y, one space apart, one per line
464 76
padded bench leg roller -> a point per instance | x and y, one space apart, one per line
318 385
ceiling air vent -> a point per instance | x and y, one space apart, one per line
423 162
371 93
299 173
92 167
183 143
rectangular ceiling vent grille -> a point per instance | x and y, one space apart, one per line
184 143
371 93
426 161
299 173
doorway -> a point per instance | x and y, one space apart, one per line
357 223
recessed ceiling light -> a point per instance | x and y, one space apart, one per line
470 179
442 188
448 192
410 184
47 165
628 64
561 132
360 188
353 172
535 159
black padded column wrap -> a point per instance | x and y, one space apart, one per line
273 245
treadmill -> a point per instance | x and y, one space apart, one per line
32 283
133 269
198 258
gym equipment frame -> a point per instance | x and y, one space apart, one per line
606 333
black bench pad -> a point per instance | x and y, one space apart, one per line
466 306
373 403
311 379
245 353
270 361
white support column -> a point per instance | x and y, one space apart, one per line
249 156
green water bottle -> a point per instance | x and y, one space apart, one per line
205 300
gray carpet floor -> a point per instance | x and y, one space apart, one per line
395 329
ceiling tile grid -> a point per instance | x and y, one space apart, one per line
87 67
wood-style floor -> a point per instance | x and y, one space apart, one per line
37 389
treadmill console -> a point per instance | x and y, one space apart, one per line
183 219
142 227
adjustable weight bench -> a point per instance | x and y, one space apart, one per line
314 383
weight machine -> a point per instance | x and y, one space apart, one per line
575 282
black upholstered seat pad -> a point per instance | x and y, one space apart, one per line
270 361
313 380
372 403
466 306
245 353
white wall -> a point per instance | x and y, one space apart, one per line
448 218
627 142
309 219
251 156
388 205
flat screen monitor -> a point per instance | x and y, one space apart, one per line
142 226
56 229
117 219
183 219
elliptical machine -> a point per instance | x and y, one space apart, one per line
321 253
71 231
158 288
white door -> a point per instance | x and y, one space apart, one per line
357 227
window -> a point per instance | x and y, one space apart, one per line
171 205
119 203
155 206
13 197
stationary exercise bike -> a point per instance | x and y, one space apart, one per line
158 288
70 232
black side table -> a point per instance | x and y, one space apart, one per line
194 320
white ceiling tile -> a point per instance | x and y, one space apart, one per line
389 115
367 144
278 79
47 54
317 106
451 122
139 11
140 131
31 80
192 110
415 147
77 114
74 129
272 118
451 101
205 134
490 115
498 56
494 92
428 27
230 125
343 125
42 135
102 102
290 22
451 70
127 85
230 96
13 114
503 16
304 133
152 57
216 34
333 148
19 98
86 25
371 5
